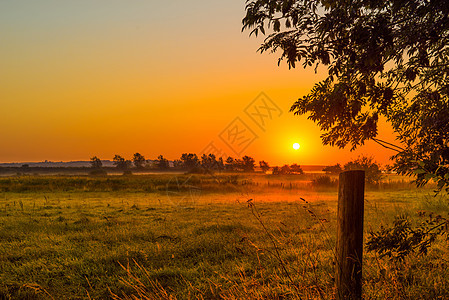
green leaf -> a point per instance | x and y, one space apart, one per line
419 171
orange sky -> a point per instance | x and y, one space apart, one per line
112 77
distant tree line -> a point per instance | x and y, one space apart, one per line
190 162
373 170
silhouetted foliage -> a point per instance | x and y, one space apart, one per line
230 164
162 163
288 170
138 160
245 164
178 164
296 169
220 164
95 163
335 169
373 173
384 58
248 164
402 239
388 168
190 161
264 166
285 170
97 167
121 163
209 162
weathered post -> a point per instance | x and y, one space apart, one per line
350 235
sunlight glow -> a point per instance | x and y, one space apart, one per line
296 146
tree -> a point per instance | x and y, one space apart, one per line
121 163
96 166
162 162
335 169
190 161
209 162
373 173
178 164
285 170
248 163
296 169
264 166
95 163
220 164
230 164
384 59
138 160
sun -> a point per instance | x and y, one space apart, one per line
296 146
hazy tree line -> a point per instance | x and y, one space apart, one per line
206 163
191 162
373 171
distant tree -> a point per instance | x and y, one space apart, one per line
264 166
204 161
178 164
296 169
190 161
335 169
373 173
285 170
209 162
238 165
288 170
220 164
230 164
97 167
139 160
118 160
95 163
248 163
162 163
121 163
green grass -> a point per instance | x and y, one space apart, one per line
114 237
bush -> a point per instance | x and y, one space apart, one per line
324 181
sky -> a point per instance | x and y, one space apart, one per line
97 78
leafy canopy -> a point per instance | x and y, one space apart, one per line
139 160
373 173
384 58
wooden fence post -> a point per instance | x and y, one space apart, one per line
350 235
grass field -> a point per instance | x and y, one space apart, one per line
197 237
